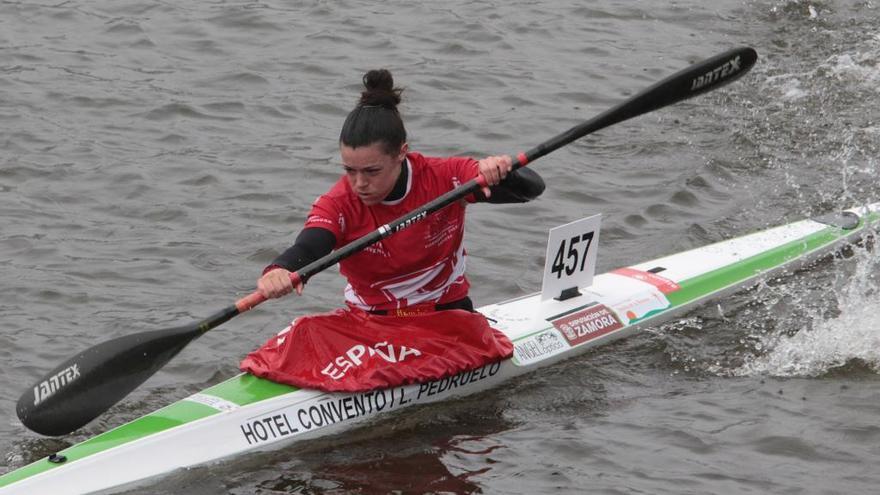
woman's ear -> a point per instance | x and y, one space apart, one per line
404 149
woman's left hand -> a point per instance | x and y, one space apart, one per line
494 169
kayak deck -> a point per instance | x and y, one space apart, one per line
246 413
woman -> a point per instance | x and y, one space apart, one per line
419 270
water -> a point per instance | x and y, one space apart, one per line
156 156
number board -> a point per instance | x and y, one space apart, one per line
571 256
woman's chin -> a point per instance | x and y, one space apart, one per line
369 200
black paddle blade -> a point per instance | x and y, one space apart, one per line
86 385
702 77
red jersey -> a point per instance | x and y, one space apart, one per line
424 263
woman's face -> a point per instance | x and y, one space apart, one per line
371 171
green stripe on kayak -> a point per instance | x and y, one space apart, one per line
247 389
710 282
242 389
174 415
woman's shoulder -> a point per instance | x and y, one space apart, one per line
339 190
443 166
338 197
419 159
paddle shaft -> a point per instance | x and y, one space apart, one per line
89 383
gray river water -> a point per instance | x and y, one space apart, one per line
156 155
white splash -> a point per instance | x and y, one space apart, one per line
829 343
861 67
792 90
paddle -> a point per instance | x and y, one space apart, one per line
89 383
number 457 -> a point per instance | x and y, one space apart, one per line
567 259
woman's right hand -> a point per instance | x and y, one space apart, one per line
276 283
494 169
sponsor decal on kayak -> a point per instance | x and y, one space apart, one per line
588 324
337 408
642 306
268 428
536 347
48 388
213 401
665 285
460 380
355 357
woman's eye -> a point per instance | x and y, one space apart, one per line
366 171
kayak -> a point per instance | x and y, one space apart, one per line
246 414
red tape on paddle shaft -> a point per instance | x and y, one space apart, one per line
254 299
250 301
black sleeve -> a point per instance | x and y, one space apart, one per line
520 186
311 244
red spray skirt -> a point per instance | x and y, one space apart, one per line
354 351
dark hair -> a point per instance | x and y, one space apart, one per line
375 118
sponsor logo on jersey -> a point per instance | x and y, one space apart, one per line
318 219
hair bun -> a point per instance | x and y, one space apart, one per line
380 90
